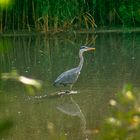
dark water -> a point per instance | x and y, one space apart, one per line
115 63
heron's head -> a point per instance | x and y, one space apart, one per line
85 48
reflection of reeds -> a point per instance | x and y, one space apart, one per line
90 41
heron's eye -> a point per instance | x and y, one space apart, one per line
83 47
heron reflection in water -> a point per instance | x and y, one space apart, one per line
70 77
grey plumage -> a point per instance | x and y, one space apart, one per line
67 77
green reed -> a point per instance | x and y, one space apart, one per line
59 15
44 15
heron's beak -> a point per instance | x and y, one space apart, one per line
90 49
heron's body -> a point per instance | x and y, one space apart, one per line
71 76
67 77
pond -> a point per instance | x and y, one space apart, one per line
115 63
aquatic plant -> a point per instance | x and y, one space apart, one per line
29 83
124 122
5 125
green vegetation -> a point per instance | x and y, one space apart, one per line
5 125
124 122
58 15
44 58
29 83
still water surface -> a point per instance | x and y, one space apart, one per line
115 62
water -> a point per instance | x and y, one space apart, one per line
77 117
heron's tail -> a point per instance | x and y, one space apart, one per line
55 83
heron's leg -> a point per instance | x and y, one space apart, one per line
71 91
68 91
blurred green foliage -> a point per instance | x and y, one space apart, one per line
30 84
124 122
5 125
61 14
130 12
5 3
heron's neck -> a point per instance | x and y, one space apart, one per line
81 60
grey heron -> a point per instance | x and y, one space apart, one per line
70 77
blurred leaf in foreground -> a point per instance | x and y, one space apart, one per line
28 82
124 121
6 3
5 125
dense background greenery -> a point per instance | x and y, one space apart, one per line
64 14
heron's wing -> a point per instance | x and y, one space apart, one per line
68 77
